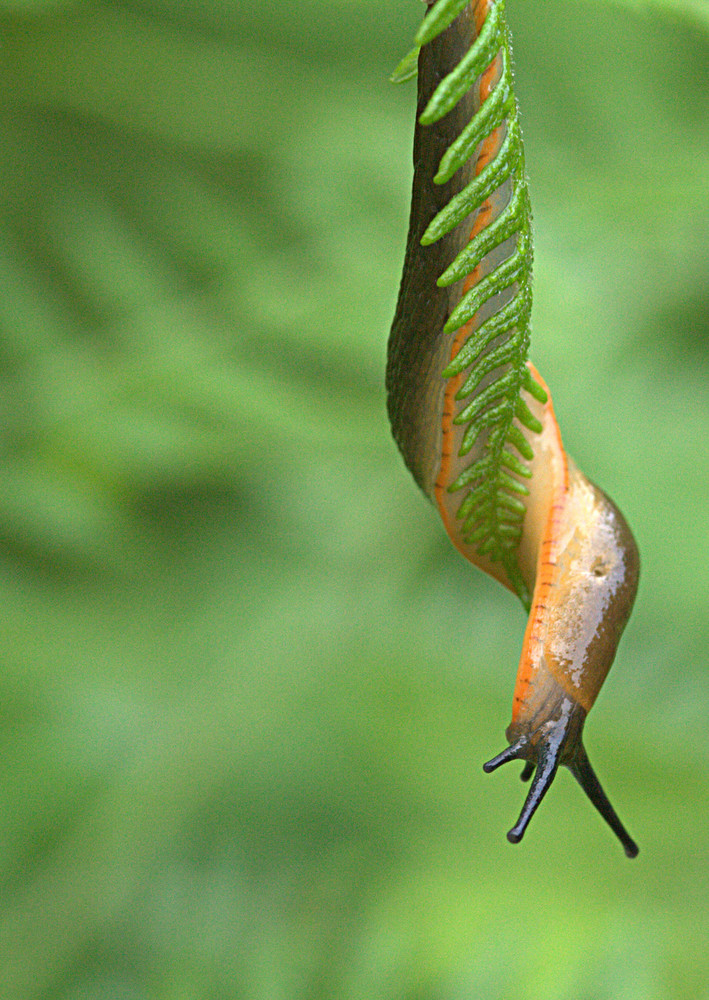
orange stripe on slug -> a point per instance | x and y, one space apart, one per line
534 634
586 578
480 9
489 149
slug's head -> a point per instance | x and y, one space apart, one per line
558 742
583 595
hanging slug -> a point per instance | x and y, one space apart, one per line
474 420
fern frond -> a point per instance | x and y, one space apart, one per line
438 18
496 263
407 68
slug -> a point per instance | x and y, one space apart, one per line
473 418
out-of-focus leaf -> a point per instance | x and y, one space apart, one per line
695 11
34 8
241 749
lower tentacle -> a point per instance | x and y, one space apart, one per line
558 743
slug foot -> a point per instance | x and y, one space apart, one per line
556 743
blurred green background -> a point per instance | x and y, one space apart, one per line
247 684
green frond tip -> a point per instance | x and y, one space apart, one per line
534 389
407 68
478 190
526 417
510 503
517 439
498 107
460 80
438 18
512 220
514 464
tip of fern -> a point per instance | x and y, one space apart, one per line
433 112
451 327
437 19
426 33
450 276
407 68
538 392
533 387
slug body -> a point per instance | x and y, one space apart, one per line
474 420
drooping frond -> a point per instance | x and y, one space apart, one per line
495 266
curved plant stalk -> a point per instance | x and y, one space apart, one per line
474 420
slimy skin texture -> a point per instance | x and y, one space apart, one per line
586 580
475 421
586 576
418 349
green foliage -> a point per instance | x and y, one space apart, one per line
247 685
694 11
491 510
407 68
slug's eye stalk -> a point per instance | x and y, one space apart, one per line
581 769
514 751
559 743
546 762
